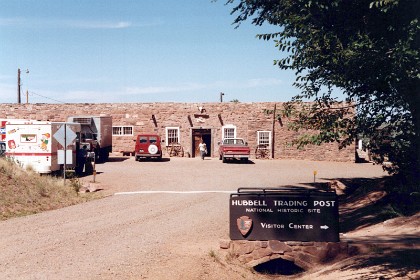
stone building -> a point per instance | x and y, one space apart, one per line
187 123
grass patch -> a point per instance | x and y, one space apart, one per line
213 255
24 192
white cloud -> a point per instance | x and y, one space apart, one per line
158 92
96 24
12 21
65 23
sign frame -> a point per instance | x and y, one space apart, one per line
285 214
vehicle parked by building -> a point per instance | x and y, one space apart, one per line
234 148
2 137
96 134
148 146
3 132
39 145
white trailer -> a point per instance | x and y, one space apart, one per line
39 145
3 132
96 134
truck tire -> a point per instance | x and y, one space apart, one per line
223 159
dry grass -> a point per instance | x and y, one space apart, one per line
24 192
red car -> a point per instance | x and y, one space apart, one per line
148 146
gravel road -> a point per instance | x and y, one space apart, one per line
160 220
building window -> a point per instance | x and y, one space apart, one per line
122 131
228 131
172 135
264 138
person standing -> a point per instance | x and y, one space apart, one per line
203 149
81 160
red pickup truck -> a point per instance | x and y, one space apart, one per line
234 148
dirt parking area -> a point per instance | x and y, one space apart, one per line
160 220
124 174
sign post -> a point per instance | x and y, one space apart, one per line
288 214
65 137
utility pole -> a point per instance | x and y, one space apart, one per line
18 87
221 96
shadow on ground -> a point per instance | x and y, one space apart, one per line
154 160
238 161
387 255
390 264
117 159
364 203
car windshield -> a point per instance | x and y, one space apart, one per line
89 135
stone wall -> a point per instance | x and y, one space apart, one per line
304 254
155 117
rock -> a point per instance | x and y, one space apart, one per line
88 187
224 243
93 187
337 186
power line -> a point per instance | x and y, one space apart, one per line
31 92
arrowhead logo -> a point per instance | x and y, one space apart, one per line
324 227
244 224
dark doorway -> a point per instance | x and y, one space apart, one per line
197 135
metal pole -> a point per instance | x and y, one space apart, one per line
94 171
221 96
65 152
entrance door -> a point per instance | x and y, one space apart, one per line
199 134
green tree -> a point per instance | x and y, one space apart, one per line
367 50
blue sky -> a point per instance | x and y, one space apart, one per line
97 51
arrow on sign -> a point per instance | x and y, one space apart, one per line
324 227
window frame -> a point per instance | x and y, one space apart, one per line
122 130
178 136
259 133
228 126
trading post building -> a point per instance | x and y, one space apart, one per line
181 127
